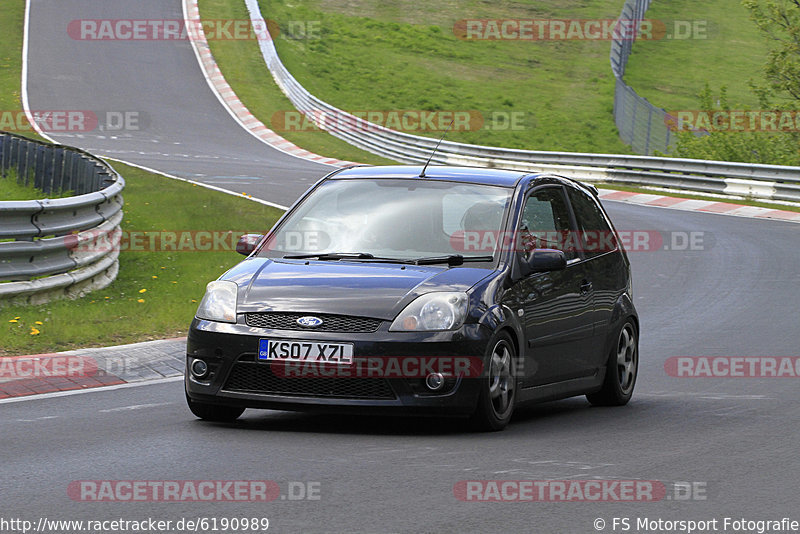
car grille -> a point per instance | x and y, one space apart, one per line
330 323
254 377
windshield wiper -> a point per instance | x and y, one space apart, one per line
350 256
331 256
451 260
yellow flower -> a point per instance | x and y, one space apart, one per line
194 300
39 322
154 277
140 301
13 321
34 331
174 281
163 267
17 317
142 290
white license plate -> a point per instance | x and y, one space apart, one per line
305 351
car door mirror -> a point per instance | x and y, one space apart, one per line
247 243
543 260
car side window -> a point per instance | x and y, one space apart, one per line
545 223
596 234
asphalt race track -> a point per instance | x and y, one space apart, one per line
181 128
736 295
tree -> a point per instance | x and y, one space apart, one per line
780 21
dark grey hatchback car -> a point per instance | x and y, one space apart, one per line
454 291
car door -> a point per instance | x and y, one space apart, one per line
604 266
556 305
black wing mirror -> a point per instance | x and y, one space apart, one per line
543 260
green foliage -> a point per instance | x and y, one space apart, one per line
779 148
779 20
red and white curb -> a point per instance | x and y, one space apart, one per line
228 97
82 369
22 376
703 206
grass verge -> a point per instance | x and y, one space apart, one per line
12 24
10 189
156 292
406 57
727 50
245 71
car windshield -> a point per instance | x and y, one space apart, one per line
411 219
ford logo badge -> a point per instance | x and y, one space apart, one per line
309 321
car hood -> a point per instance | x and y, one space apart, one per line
376 290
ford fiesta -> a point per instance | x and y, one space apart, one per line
446 291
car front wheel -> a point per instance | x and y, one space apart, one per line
499 386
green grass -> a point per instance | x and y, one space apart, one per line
10 189
386 56
11 32
733 53
245 71
174 280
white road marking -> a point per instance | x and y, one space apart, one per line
134 407
38 419
91 390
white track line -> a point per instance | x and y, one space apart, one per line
56 394
201 184
217 87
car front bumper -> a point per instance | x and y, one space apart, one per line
237 378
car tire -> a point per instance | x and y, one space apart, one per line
621 370
214 412
498 392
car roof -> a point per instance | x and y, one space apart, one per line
472 175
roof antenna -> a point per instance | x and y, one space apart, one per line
422 174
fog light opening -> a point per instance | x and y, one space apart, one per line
434 381
199 368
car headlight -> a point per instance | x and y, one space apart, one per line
433 311
219 302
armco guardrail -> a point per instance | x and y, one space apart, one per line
641 124
774 182
43 243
